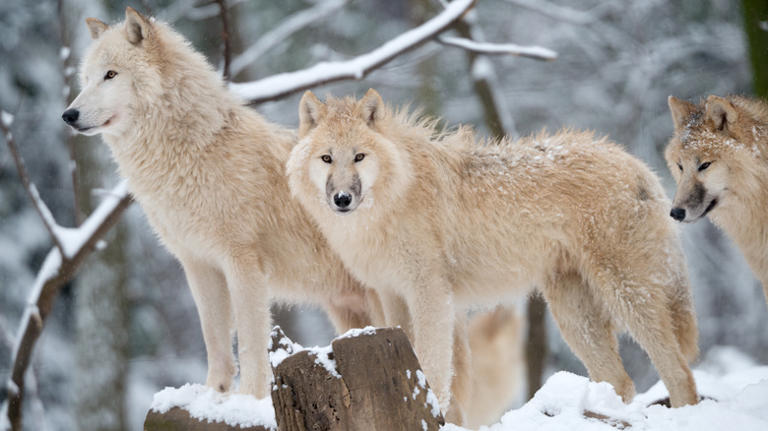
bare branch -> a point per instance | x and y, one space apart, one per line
485 48
57 269
40 207
287 27
224 15
276 86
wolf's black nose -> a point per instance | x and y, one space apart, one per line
677 214
342 199
70 116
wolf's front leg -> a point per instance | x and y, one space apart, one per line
250 303
209 290
433 314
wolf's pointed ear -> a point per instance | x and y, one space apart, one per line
310 109
96 27
680 110
372 107
137 27
721 112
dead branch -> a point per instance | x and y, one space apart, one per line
287 27
224 15
276 86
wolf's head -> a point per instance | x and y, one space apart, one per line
115 69
342 156
705 153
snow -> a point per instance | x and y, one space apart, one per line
737 400
6 118
204 403
73 239
356 332
287 348
487 48
357 68
64 53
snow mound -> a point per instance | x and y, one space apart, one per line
206 404
735 400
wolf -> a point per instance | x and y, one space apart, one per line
718 156
208 173
444 222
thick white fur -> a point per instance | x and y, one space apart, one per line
732 135
209 174
446 222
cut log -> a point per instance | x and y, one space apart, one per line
368 380
178 419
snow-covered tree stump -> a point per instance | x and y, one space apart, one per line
178 419
367 379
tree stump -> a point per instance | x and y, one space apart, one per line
178 419
366 380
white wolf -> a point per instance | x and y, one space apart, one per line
208 172
444 222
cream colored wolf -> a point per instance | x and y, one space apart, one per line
208 172
719 158
445 222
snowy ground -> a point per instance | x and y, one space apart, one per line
736 390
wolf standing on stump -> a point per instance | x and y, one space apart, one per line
719 159
206 170
444 222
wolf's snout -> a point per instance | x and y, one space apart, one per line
342 199
70 116
677 214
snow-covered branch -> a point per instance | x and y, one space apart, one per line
60 265
6 120
287 27
280 85
486 48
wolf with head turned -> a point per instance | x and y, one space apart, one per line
446 222
208 172
718 156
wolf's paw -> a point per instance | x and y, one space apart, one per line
220 375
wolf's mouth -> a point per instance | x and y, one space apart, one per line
711 205
106 123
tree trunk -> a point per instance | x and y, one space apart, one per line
755 16
536 344
376 385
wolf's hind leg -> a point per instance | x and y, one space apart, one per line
209 291
589 331
643 305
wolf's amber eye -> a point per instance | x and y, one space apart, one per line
359 157
704 165
680 166
110 74
326 158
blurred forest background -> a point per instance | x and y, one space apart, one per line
126 326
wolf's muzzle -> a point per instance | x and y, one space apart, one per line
70 116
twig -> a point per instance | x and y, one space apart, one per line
566 14
40 207
224 14
280 85
68 72
287 27
534 52
57 269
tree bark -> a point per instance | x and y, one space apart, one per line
378 386
178 419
